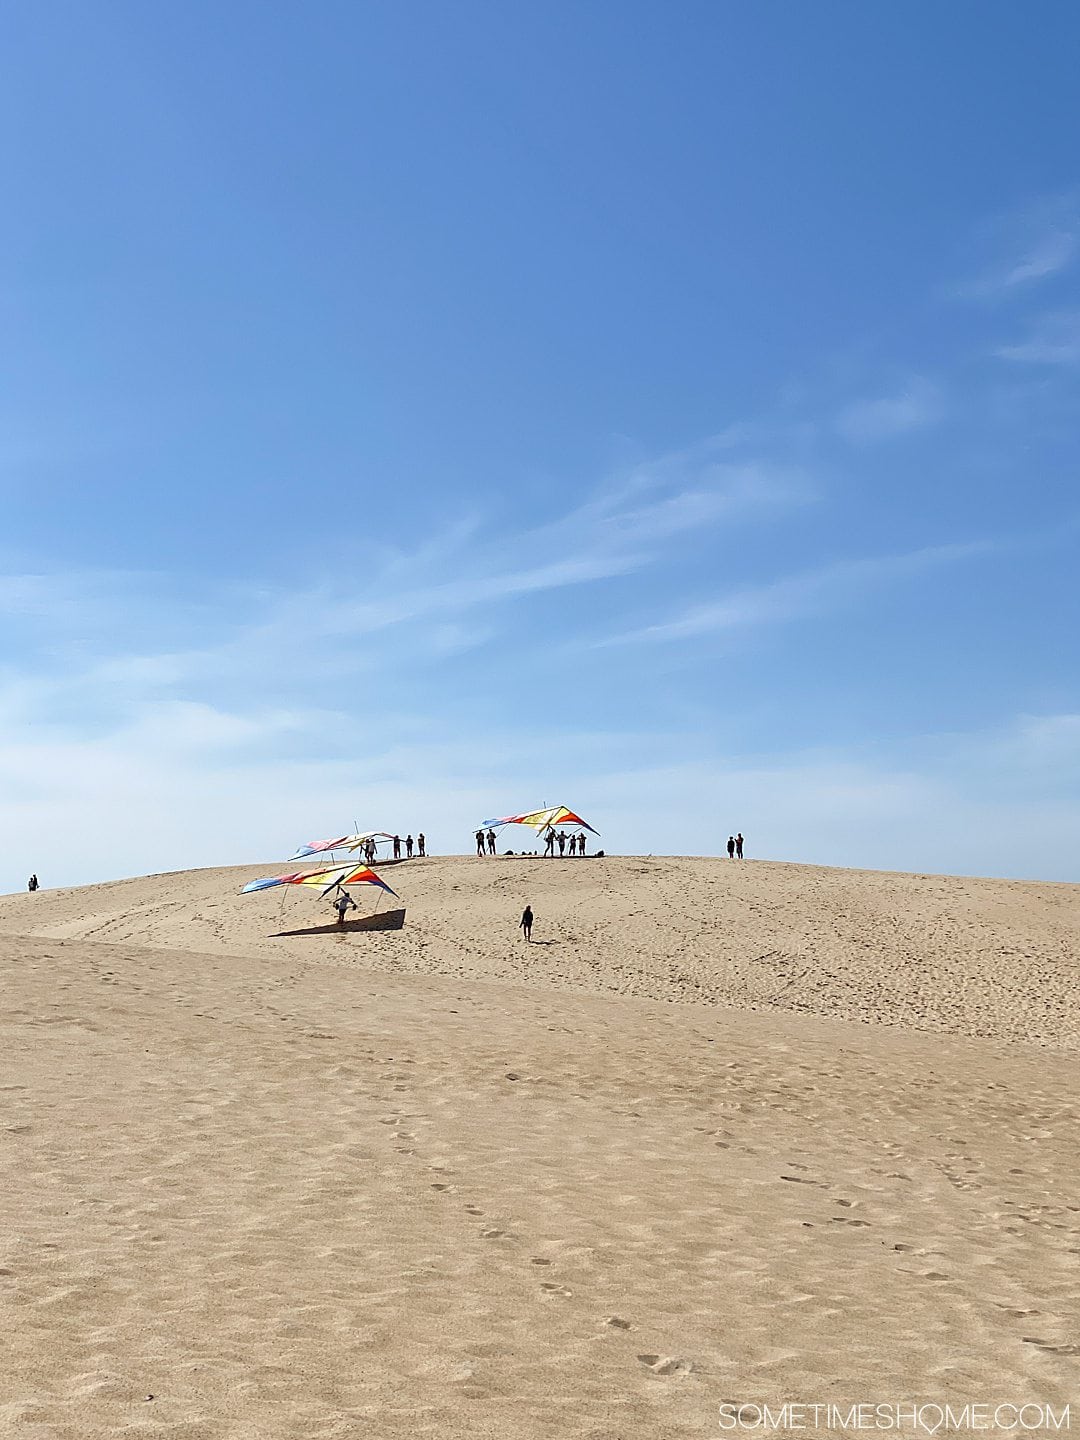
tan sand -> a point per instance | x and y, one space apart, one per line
753 1132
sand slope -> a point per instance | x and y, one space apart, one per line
974 957
424 1184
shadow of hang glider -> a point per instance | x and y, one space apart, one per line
382 920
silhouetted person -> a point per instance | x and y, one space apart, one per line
562 842
731 847
571 845
491 842
549 842
369 850
480 842
739 845
32 884
397 847
343 903
421 844
408 846
526 922
581 843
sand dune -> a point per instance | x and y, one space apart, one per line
991 958
757 1133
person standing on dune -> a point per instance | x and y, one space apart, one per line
491 842
526 922
32 884
549 846
408 846
731 847
480 843
739 845
421 845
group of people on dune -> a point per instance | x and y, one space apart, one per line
419 845
568 844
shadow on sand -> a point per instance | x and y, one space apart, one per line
381 920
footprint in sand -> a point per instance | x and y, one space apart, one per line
798 1180
473 1210
667 1365
539 1260
551 1288
439 1185
492 1234
618 1323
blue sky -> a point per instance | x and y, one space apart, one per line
412 413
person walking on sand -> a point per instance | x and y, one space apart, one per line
343 903
739 845
32 884
408 847
480 843
731 847
549 842
421 845
491 842
526 922
397 847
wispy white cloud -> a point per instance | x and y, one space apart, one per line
914 407
799 596
96 649
1054 339
620 530
1052 253
1030 245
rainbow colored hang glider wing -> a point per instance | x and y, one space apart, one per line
540 820
326 880
343 842
316 847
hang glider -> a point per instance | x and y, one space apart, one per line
343 842
326 880
540 820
